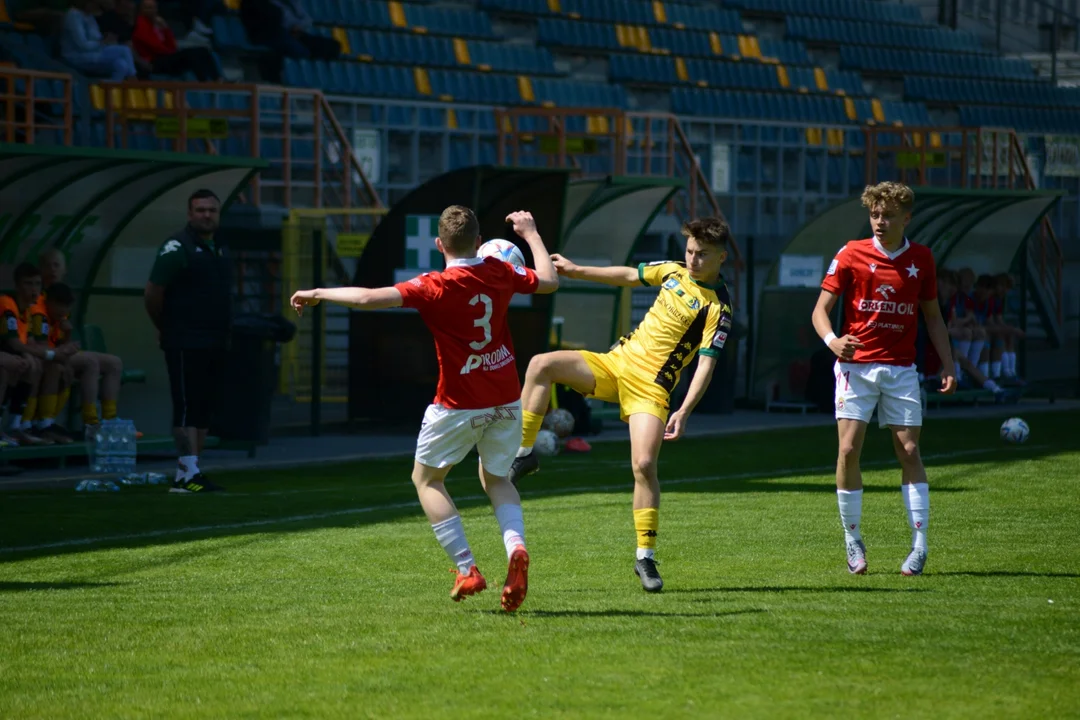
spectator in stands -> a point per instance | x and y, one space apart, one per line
989 314
57 375
24 334
155 44
962 315
98 373
286 28
14 377
117 19
1004 291
967 372
84 47
199 16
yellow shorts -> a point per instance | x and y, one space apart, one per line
618 381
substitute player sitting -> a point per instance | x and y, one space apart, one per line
691 315
477 401
885 280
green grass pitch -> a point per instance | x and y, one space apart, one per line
321 592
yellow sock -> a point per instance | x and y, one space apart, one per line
62 402
646 523
89 414
108 409
47 407
530 426
30 413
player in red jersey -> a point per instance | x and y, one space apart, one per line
885 280
477 403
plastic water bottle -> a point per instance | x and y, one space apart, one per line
153 478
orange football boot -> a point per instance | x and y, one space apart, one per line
517 580
466 585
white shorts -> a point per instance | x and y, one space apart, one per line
447 436
893 389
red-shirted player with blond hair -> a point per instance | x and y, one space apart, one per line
885 281
478 400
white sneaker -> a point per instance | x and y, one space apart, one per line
856 557
202 28
916 561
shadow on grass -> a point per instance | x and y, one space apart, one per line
794 589
14 586
792 461
1005 573
525 614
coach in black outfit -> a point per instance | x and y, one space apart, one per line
189 300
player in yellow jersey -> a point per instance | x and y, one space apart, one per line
691 315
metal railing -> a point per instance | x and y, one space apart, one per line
608 141
312 160
980 158
30 105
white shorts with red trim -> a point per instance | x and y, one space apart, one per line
447 436
892 389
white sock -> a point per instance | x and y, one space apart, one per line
44 424
16 422
984 368
512 525
995 369
187 467
975 351
643 553
523 451
991 386
917 502
850 502
1008 361
963 348
26 425
451 535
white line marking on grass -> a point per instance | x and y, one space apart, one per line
812 470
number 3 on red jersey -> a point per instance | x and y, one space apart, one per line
484 322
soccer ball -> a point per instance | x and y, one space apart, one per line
546 443
559 421
1014 430
502 249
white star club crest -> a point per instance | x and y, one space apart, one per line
912 271
873 267
171 246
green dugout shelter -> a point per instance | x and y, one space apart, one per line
985 230
603 222
108 211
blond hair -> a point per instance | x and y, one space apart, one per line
458 229
889 193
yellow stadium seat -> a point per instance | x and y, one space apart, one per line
422 81
397 14
659 12
525 88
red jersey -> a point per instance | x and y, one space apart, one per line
465 306
882 293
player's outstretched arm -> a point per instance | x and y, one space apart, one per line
843 347
939 336
614 275
354 297
698 385
525 226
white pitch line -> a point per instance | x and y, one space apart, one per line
414 504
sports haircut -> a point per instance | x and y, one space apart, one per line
947 276
202 194
24 271
708 230
60 294
889 193
986 282
458 229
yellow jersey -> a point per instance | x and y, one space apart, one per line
688 317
